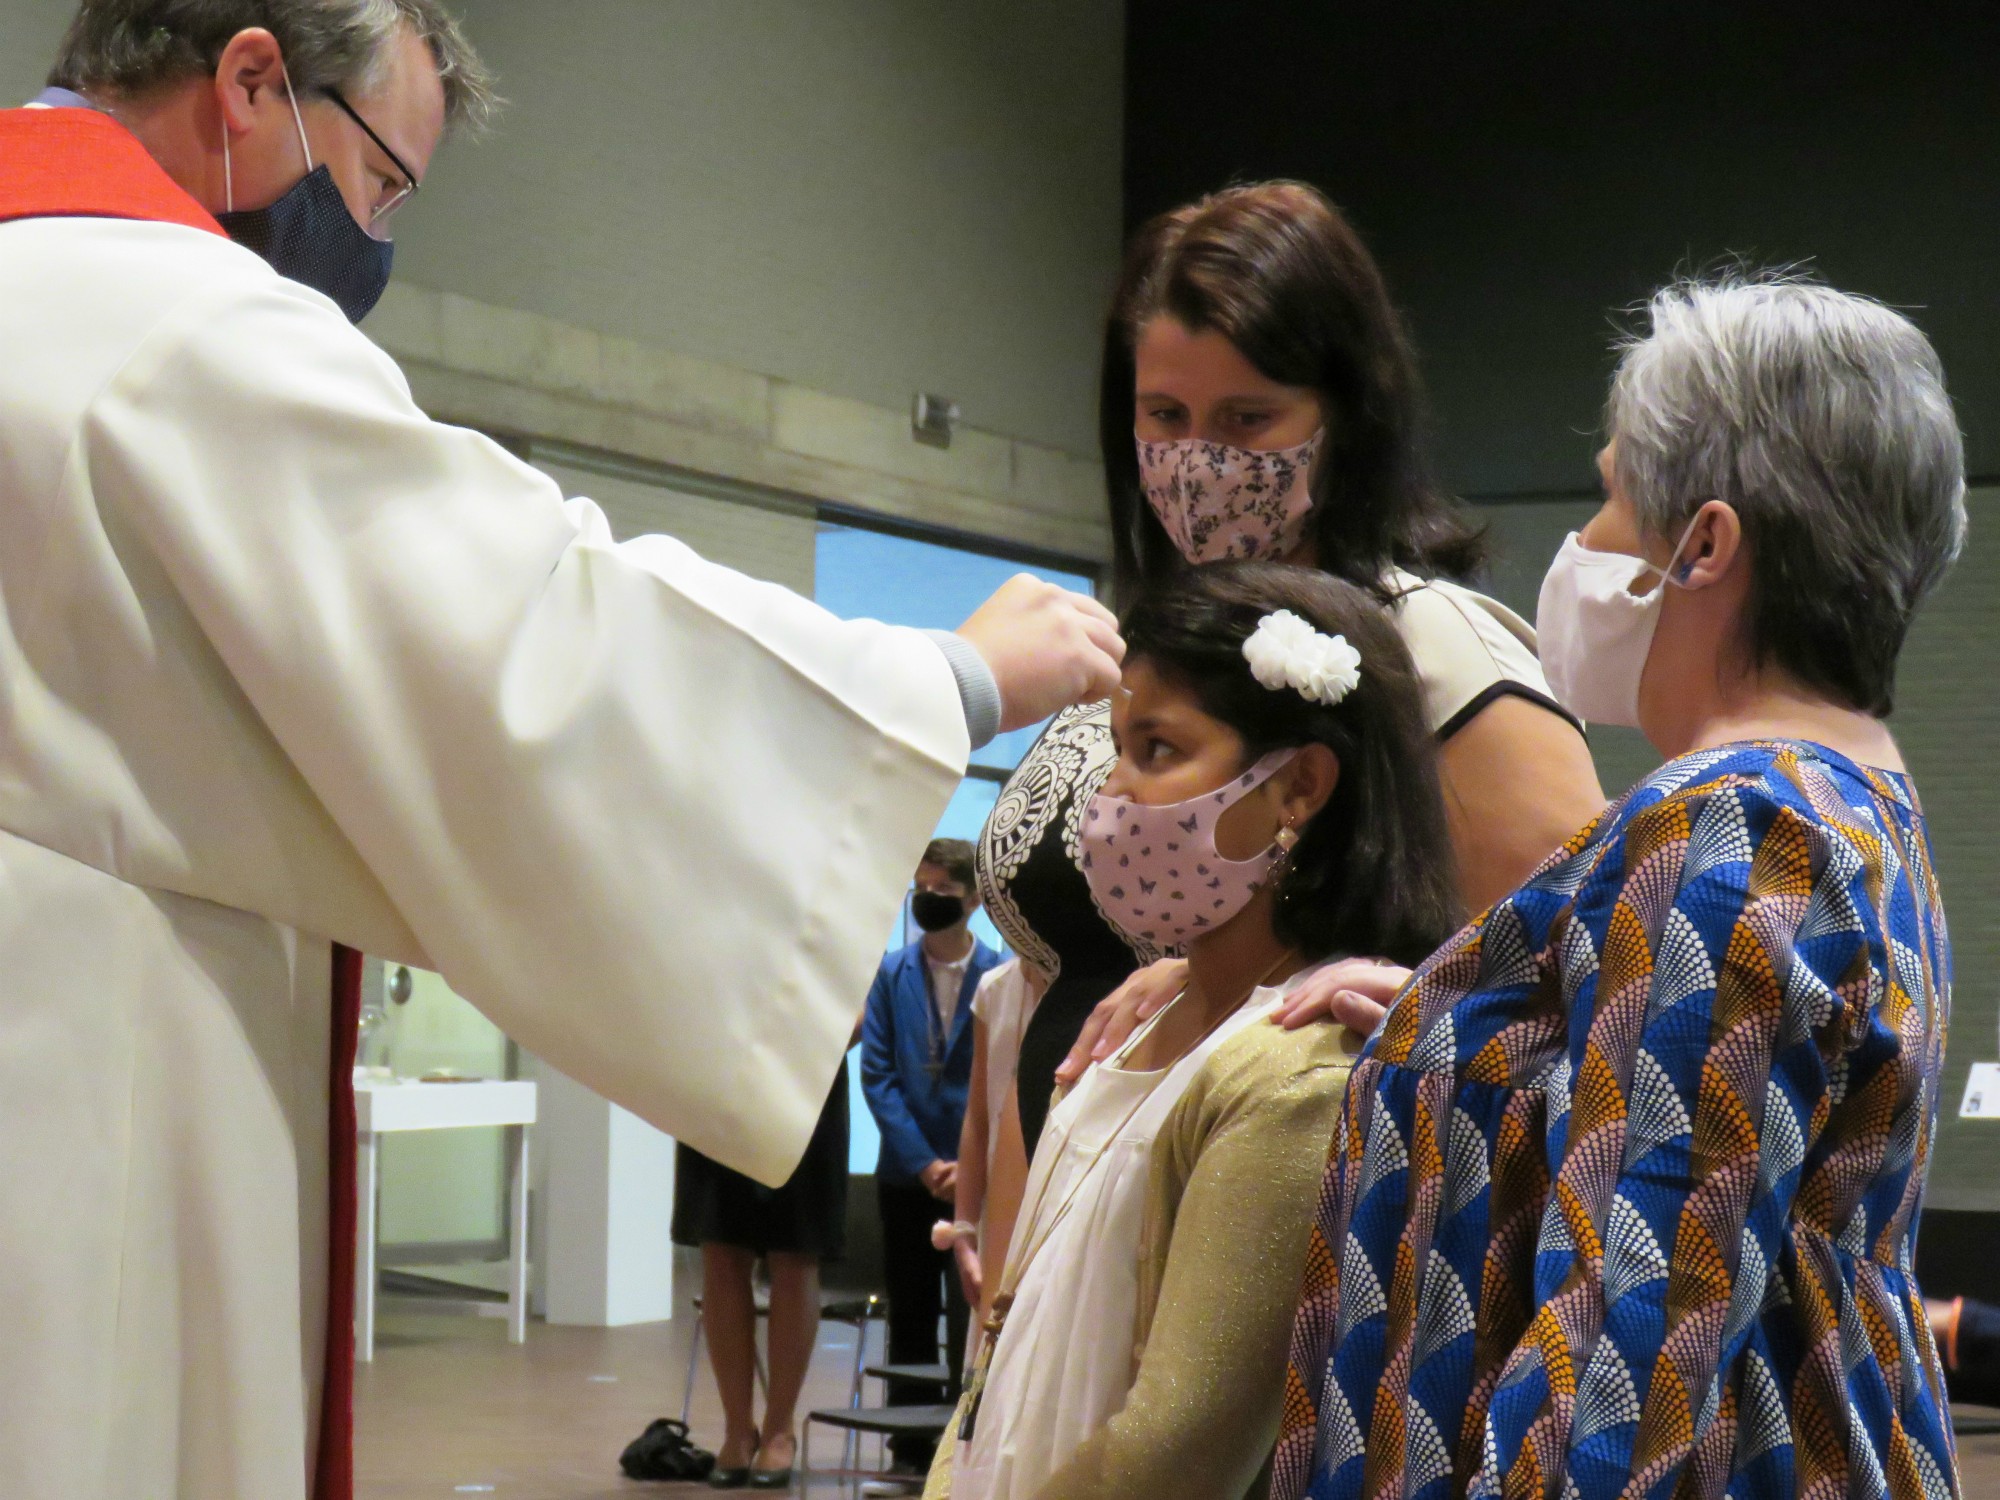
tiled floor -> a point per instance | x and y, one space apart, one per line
449 1408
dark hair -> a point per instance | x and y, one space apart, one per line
1276 270
954 857
1373 872
135 45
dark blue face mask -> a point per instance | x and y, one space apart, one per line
309 236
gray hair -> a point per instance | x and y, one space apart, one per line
134 45
1821 417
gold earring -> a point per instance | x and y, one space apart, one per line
1287 839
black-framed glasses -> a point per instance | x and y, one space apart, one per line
410 185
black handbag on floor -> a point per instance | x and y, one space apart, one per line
663 1451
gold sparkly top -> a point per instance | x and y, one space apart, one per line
1235 1177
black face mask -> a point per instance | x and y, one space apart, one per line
309 236
934 911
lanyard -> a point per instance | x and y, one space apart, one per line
940 1040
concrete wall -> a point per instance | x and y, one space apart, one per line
867 197
775 221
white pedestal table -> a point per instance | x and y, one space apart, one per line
383 1106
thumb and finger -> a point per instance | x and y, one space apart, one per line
1094 609
1103 634
1349 1008
1121 1013
1355 992
1078 1062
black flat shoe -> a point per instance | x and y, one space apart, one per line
729 1479
773 1479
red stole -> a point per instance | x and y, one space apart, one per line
78 163
83 164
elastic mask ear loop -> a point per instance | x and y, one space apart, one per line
228 171
292 98
1667 574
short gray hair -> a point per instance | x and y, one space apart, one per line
1821 417
135 45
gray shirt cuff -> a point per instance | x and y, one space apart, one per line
978 693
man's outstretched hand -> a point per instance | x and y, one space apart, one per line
1047 648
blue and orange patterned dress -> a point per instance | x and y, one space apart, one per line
1624 1195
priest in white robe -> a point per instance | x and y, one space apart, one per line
285 665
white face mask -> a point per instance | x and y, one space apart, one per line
1595 633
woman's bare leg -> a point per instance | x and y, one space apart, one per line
794 1333
729 1316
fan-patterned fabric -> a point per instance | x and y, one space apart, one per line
1623 1200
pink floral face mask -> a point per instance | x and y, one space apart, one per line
1221 503
1155 870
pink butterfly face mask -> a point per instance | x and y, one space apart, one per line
1155 870
1220 503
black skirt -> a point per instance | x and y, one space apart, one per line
807 1216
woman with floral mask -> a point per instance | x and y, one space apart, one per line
1260 399
1624 1197
1274 804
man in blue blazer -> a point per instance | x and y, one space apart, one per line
916 1067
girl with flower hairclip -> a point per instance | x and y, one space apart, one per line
1275 804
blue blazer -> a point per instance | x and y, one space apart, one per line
919 1115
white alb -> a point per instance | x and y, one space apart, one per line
283 661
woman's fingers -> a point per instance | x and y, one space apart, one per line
1359 1013
1158 984
971 1278
1077 1063
1355 992
1121 1013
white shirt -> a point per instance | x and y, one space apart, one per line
947 980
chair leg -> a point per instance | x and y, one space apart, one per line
850 1443
860 1362
881 1439
694 1364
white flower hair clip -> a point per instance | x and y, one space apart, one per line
1285 652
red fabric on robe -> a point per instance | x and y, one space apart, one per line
333 1473
58 163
